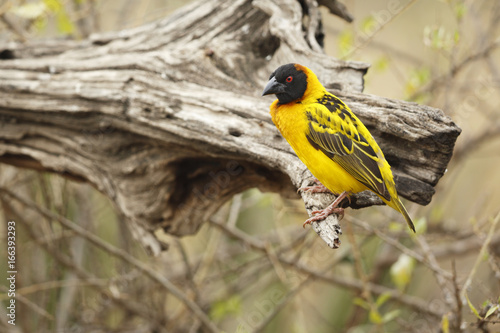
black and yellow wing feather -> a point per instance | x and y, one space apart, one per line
335 130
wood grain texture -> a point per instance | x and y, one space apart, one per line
167 119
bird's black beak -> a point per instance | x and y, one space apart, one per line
273 87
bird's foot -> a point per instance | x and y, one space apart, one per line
318 188
324 213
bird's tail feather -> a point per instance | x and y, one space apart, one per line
399 205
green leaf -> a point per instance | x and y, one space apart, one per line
382 299
437 37
361 302
64 24
224 308
456 37
417 78
491 311
53 5
390 316
402 270
445 324
375 317
472 308
460 10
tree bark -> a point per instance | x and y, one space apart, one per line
167 119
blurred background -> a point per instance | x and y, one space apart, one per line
252 268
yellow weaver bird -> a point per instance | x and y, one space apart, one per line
331 141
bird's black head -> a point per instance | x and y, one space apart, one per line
288 82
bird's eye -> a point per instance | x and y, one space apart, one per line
289 79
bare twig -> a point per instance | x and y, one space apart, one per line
34 288
129 305
485 136
493 261
190 281
358 262
395 243
484 249
458 300
377 30
29 304
442 276
163 281
189 271
438 81
350 283
282 304
454 248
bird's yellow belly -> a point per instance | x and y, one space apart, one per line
292 124
329 173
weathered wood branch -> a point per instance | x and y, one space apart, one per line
167 120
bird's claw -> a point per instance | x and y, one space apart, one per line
323 214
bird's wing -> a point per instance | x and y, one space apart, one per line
338 133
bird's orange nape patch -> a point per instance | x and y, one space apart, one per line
302 68
299 67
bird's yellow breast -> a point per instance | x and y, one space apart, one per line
291 120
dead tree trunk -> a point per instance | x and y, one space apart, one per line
167 119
